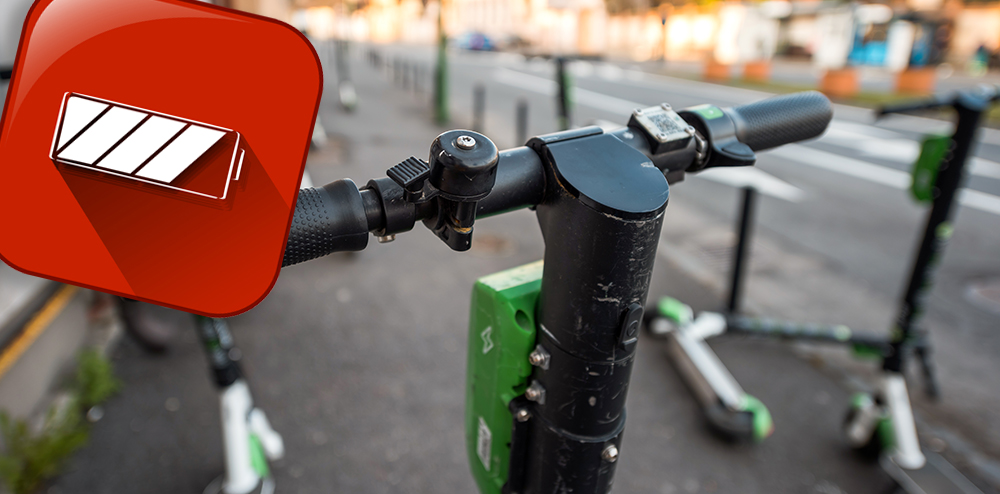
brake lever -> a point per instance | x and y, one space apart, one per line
984 93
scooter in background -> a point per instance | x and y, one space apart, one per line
248 440
882 422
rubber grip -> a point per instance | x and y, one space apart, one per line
327 219
781 120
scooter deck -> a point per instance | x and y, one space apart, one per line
937 476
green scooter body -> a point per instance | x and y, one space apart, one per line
933 151
501 336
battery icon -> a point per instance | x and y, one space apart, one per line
114 139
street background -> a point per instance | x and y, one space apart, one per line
359 360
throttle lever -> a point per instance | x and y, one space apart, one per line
719 128
692 139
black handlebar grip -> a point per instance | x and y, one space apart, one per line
327 219
781 120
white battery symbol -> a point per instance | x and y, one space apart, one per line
147 146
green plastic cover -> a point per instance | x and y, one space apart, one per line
925 170
501 336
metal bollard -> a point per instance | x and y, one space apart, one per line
565 99
743 239
478 107
521 130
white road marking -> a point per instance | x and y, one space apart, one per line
843 165
582 96
898 150
878 174
748 176
980 200
853 130
528 82
605 102
985 168
891 146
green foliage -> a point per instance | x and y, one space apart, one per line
32 457
95 380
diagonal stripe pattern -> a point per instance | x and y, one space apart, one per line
140 143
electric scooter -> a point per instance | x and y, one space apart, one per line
551 344
248 440
881 423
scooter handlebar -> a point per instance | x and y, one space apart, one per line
327 219
781 120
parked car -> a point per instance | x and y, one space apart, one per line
474 41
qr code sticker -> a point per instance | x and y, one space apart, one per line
665 123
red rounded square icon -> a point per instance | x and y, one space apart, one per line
153 149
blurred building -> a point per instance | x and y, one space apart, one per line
893 34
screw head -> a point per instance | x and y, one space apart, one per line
465 142
539 357
522 415
610 453
638 111
532 393
690 130
661 135
665 106
535 393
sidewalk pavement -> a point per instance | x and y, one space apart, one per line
359 361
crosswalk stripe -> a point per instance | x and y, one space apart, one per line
749 176
896 179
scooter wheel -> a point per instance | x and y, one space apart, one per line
863 429
730 426
656 325
751 424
